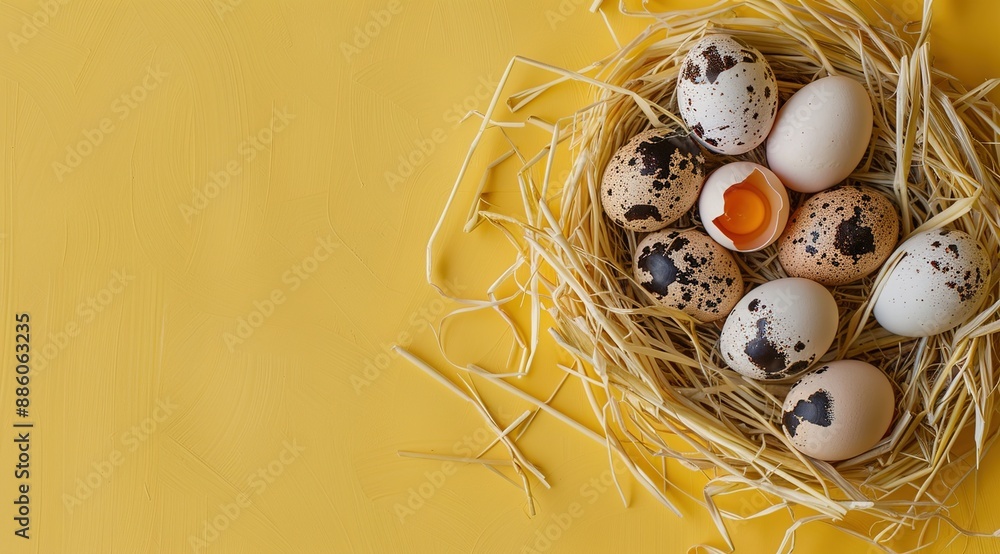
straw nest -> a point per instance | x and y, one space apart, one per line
654 376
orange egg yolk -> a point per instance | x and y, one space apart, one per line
746 211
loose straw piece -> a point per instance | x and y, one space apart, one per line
459 459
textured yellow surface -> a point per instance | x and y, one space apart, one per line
214 212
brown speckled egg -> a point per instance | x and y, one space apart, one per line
653 180
727 94
941 279
688 271
839 235
839 411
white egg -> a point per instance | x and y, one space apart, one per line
821 134
743 206
839 411
779 329
727 94
939 283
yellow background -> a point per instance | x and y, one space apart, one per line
203 307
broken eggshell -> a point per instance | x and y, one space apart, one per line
839 411
744 206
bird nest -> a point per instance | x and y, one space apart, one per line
653 376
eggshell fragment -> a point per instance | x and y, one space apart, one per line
688 271
652 180
940 281
839 236
727 94
839 411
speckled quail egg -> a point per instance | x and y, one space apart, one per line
940 281
727 94
839 235
779 329
688 271
821 134
839 411
652 180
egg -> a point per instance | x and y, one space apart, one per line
821 134
688 271
939 282
779 329
727 94
839 411
743 206
839 236
652 180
